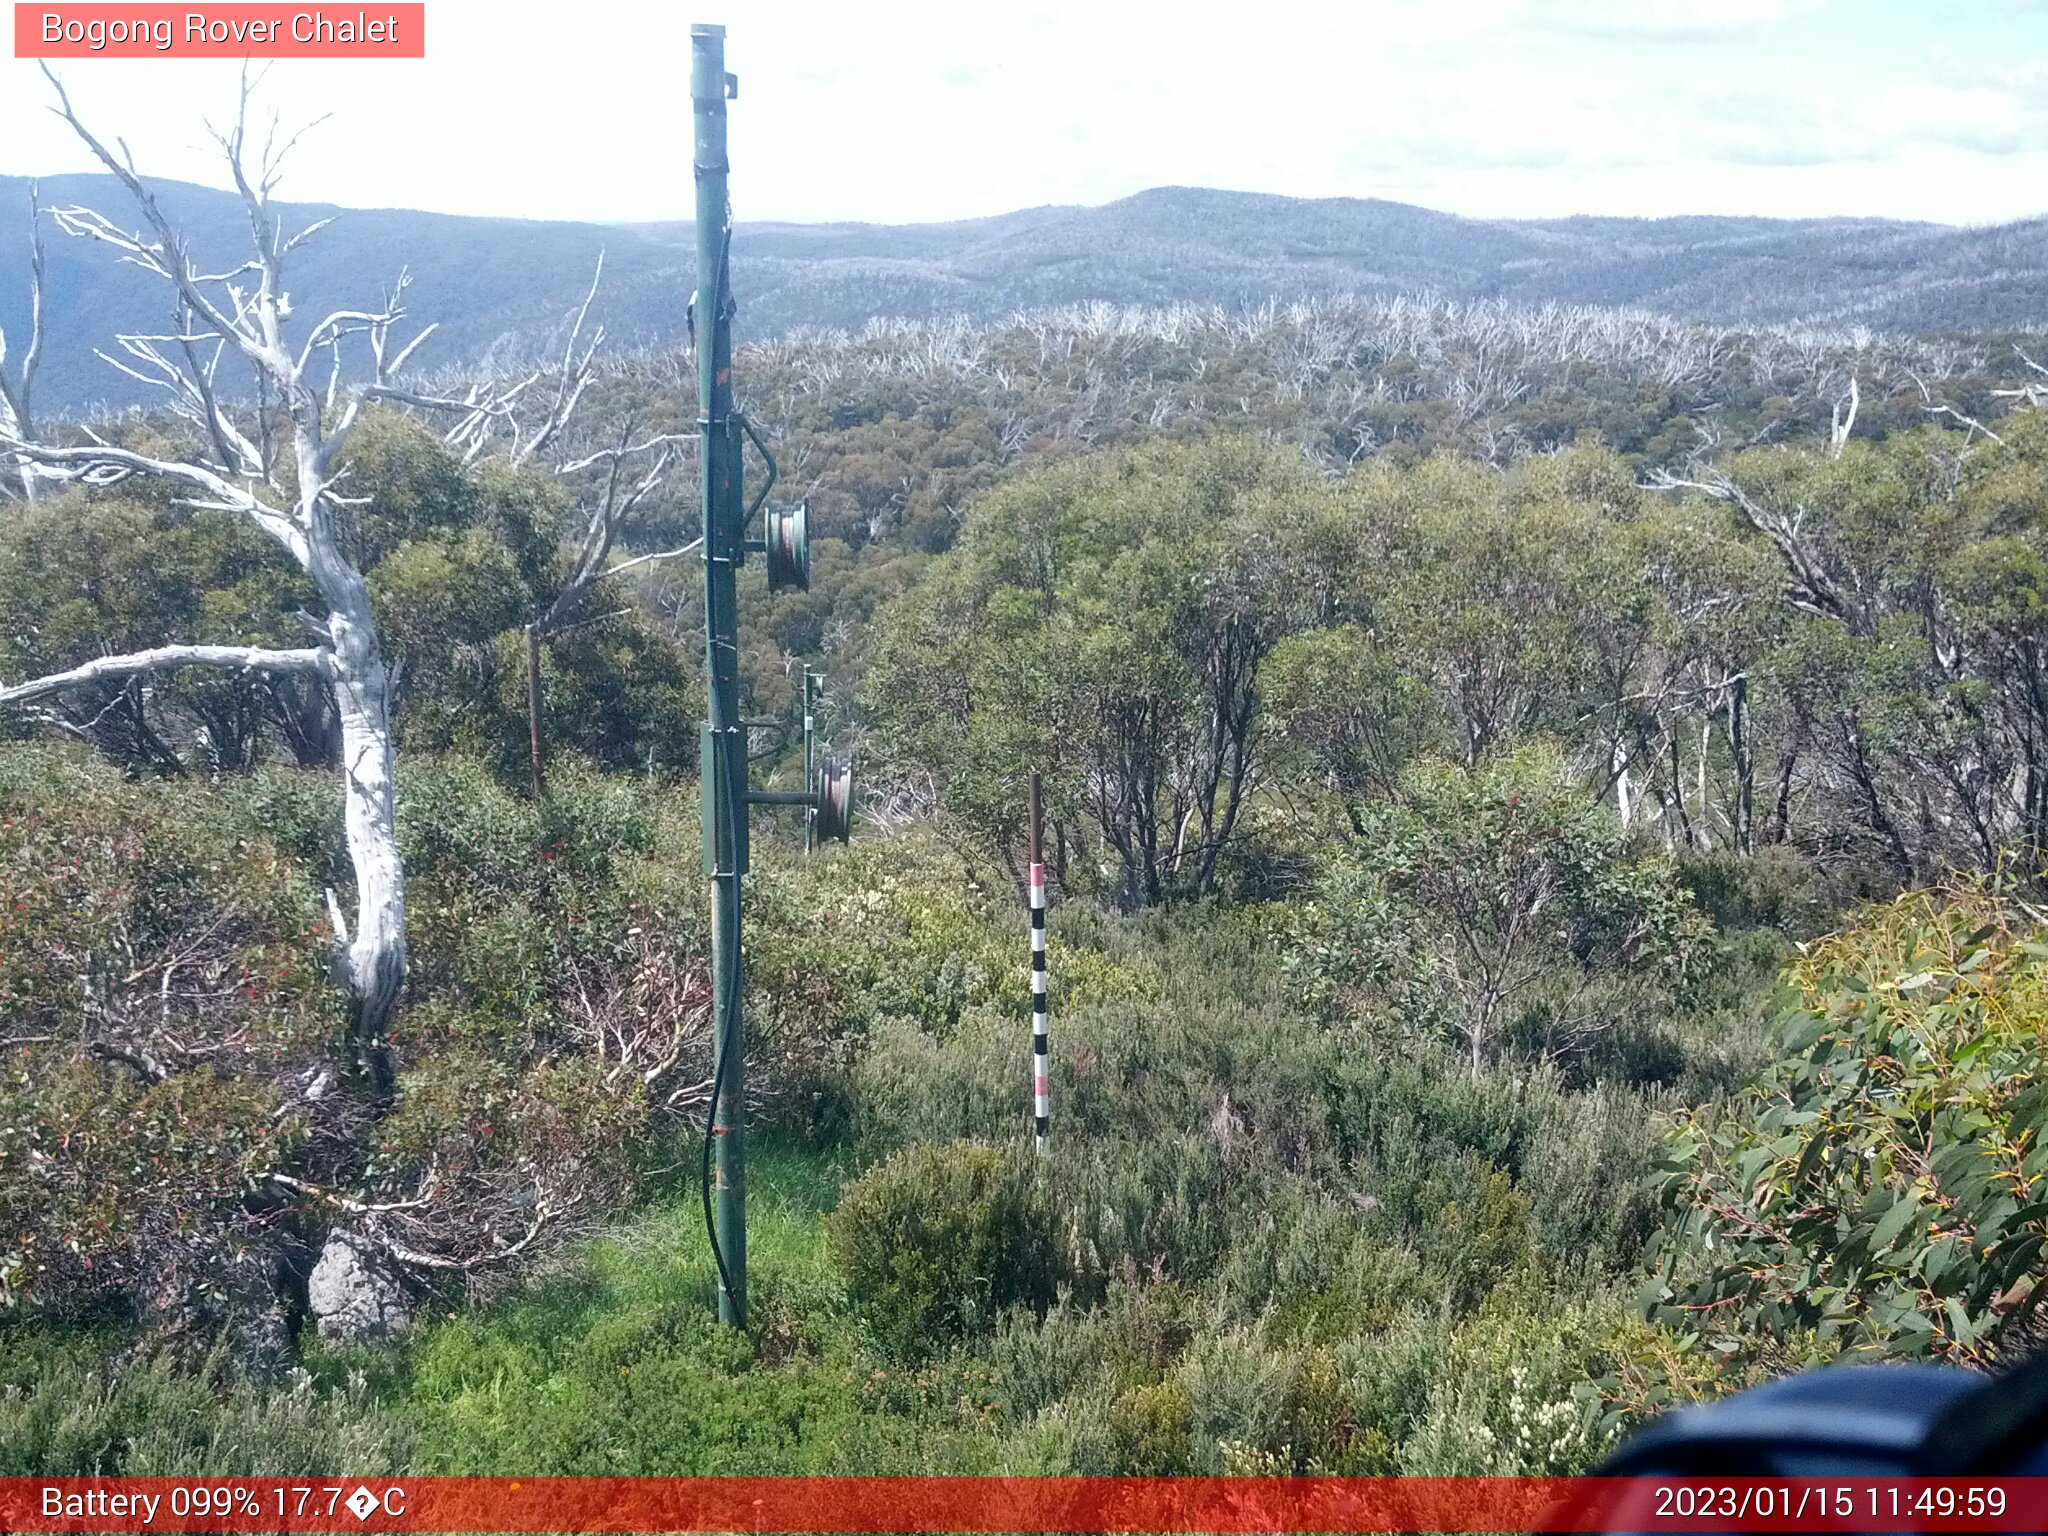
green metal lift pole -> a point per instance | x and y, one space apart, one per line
724 761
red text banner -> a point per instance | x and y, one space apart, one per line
236 31
976 1504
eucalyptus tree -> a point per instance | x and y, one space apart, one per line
1109 622
1916 576
1499 905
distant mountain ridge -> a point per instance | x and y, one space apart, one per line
504 285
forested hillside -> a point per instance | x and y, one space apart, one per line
1546 809
499 287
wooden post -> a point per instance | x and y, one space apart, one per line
1041 1061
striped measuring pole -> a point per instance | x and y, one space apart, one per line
1041 1060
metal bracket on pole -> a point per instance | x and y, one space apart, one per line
760 447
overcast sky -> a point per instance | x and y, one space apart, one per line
896 112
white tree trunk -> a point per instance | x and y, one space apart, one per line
375 959
1705 828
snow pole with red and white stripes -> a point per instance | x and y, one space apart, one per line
1041 1060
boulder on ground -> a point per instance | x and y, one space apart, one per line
353 1295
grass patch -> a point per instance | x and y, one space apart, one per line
622 1368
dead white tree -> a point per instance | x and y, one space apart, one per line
1973 427
1816 586
2029 392
1842 418
241 313
492 418
17 393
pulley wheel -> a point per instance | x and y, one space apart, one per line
789 548
835 800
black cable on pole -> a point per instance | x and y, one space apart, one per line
722 1047
721 1053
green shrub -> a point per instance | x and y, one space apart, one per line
162 981
904 929
1158 1206
1586 1169
1151 1431
1398 1112
1500 907
1478 1231
1133 1335
1314 1271
1884 1185
175 1040
939 1240
1527 1385
909 1086
71 1407
1776 887
1238 1388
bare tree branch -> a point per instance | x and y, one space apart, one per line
166 255
2034 394
638 560
576 374
603 520
1934 408
545 1212
1814 590
165 658
102 464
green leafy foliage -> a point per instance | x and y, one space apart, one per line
1107 620
86 576
1262 1244
458 560
178 1111
1884 1186
940 1239
76 1405
1498 905
161 980
1390 795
